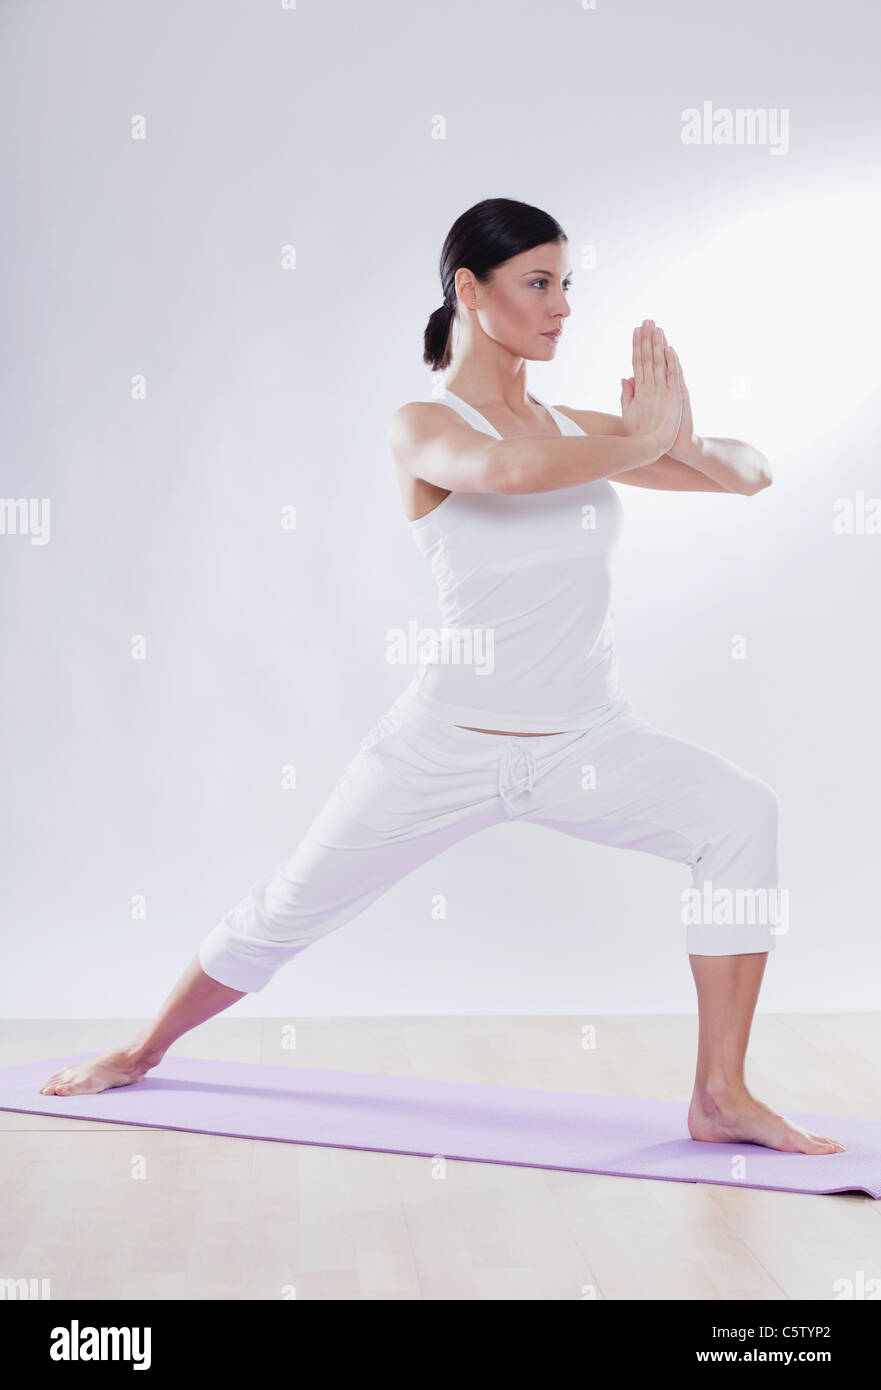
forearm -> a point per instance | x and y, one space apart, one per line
735 465
544 463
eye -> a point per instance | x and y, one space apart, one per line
567 284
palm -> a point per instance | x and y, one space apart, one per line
685 433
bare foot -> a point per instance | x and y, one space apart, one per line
737 1117
120 1067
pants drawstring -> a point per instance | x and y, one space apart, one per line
508 781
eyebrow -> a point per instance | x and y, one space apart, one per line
546 272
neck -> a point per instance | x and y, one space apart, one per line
489 379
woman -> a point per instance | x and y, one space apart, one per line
509 501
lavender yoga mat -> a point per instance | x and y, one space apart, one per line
575 1130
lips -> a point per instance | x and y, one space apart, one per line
555 334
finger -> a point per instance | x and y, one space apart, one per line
664 344
674 368
659 358
642 360
652 331
637 354
645 351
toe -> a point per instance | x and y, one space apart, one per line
833 1143
816 1141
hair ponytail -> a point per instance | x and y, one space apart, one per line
438 337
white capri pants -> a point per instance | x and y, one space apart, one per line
418 785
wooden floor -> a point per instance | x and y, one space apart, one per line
216 1218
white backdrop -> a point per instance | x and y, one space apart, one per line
221 236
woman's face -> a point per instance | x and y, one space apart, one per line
524 305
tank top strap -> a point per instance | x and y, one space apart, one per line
480 422
564 424
467 412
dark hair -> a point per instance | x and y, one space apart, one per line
484 237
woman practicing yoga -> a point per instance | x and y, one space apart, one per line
516 712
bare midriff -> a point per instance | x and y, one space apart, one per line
508 733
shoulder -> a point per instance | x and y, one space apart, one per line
418 421
413 417
416 425
593 421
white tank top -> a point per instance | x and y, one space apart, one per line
524 584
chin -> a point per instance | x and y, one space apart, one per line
533 354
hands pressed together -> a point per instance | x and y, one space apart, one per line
655 399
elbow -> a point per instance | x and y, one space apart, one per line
763 478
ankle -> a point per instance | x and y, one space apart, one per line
144 1053
720 1090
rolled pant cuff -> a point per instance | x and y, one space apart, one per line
232 972
702 940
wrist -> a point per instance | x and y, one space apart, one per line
654 443
647 441
689 453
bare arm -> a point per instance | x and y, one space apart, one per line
439 446
733 463
730 464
